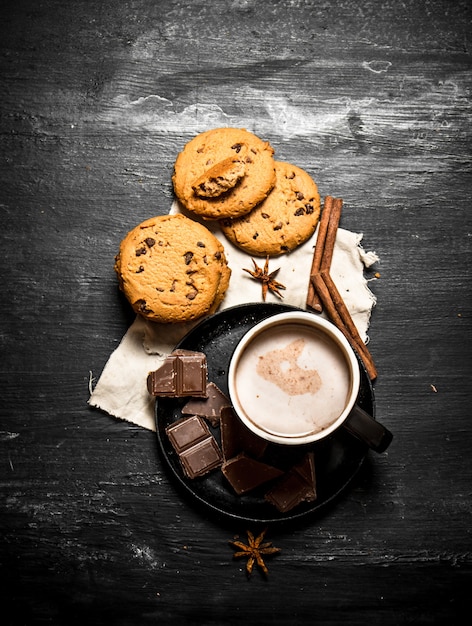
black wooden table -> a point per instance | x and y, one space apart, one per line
373 100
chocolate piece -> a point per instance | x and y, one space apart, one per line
289 492
245 474
296 486
198 450
237 438
187 432
183 373
201 458
209 407
306 469
161 382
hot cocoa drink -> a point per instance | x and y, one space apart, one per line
292 379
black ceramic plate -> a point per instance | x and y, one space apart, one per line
337 458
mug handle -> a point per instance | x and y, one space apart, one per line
363 426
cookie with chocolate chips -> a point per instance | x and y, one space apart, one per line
284 220
223 172
172 269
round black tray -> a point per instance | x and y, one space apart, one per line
337 458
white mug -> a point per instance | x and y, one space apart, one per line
294 379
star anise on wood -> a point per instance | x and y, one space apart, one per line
254 551
268 280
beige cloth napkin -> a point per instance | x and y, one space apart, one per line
121 389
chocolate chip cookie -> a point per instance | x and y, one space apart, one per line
172 269
223 172
284 220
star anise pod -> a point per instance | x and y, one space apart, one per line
268 280
254 551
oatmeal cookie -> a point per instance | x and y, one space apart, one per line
284 220
172 269
223 172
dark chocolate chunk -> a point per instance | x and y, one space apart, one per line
183 373
186 432
289 492
209 407
161 382
201 458
245 474
296 486
306 469
237 438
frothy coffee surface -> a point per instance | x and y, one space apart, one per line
293 380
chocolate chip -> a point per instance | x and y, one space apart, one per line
140 251
191 295
299 195
255 236
143 307
188 256
300 211
278 226
140 269
217 256
200 244
237 147
172 289
265 215
309 208
150 242
291 175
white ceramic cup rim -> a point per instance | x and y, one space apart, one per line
308 320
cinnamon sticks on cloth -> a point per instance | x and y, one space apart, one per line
322 290
121 389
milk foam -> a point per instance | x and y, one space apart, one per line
292 380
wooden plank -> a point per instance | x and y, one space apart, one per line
373 100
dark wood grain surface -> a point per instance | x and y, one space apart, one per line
373 99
